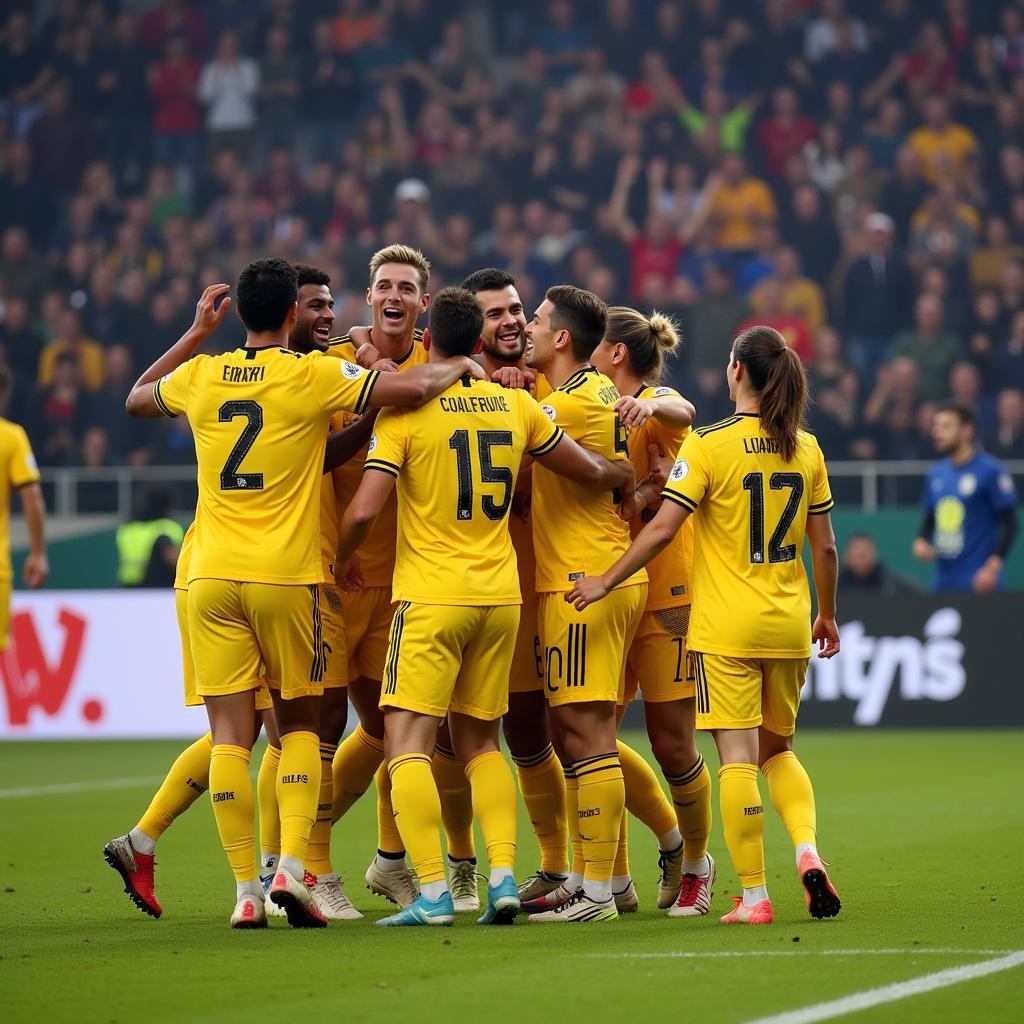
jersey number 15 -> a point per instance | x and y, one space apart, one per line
486 441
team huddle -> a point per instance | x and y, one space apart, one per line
492 524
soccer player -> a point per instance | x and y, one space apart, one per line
456 459
576 529
970 508
20 471
525 724
761 486
133 855
256 568
632 356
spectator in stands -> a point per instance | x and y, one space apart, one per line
812 232
148 545
25 72
25 201
228 87
1007 439
930 71
801 297
876 292
965 389
1009 358
941 144
177 116
772 311
61 411
785 133
20 344
72 343
740 204
280 92
903 195
931 348
823 33
861 569
996 250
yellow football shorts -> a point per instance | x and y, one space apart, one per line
743 693
585 652
445 658
656 661
367 619
233 625
192 698
527 660
5 613
336 673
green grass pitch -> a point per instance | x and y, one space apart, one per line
922 830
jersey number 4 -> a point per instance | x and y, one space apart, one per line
230 478
486 440
777 551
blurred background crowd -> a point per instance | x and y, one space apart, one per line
849 171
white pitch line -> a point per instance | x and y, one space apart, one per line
79 787
893 993
700 955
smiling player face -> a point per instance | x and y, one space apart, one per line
396 299
315 319
541 337
504 324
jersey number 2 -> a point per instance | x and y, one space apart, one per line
777 551
489 473
230 478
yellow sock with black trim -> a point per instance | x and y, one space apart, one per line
602 801
792 796
455 793
743 821
318 852
389 839
691 795
621 868
418 807
298 787
266 799
234 808
494 804
645 799
358 758
572 818
185 782
542 783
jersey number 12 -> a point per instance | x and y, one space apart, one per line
777 551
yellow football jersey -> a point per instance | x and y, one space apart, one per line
19 469
750 593
669 573
377 555
260 418
456 459
184 557
330 510
577 530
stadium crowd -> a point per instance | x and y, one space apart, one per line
850 173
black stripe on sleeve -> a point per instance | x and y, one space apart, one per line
367 390
384 467
550 443
679 499
160 403
820 510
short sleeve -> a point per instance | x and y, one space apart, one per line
171 391
566 412
690 477
389 443
22 468
1001 490
821 493
340 385
542 433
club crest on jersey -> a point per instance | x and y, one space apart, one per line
1005 483
679 470
549 412
658 392
372 446
350 370
30 462
968 484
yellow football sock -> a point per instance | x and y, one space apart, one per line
187 780
691 794
792 796
621 869
543 787
456 796
266 798
414 795
743 821
357 760
234 808
602 800
494 804
572 818
298 786
389 839
645 799
318 852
